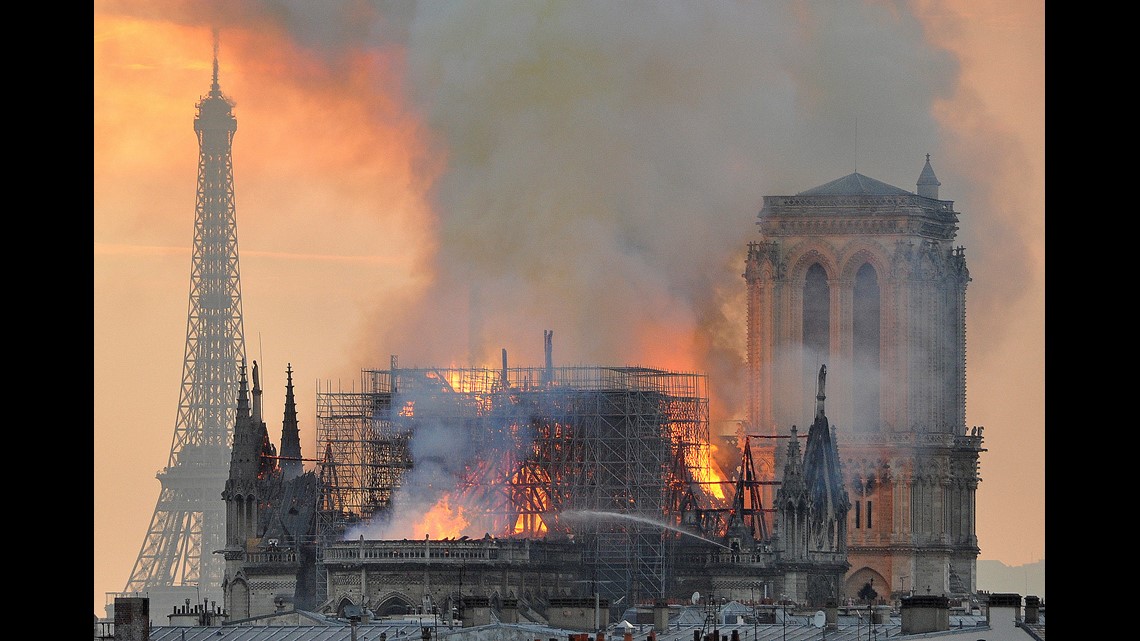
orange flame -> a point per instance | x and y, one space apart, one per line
529 496
442 521
711 476
455 381
530 525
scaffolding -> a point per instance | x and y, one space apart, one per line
603 454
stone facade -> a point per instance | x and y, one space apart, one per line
865 278
428 577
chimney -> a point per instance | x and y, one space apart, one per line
1031 605
510 611
660 616
925 613
1003 611
476 611
132 619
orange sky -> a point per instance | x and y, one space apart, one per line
451 179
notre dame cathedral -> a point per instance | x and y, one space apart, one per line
855 295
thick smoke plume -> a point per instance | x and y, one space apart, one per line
605 163
596 168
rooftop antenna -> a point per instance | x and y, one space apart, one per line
214 88
856 161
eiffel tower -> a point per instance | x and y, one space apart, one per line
177 556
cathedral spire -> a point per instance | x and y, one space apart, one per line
290 433
820 396
792 482
824 491
243 395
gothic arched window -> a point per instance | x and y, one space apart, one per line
239 600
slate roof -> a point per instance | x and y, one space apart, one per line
855 185
799 628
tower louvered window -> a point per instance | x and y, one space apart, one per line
816 322
866 347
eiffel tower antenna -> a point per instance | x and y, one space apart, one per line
188 525
217 39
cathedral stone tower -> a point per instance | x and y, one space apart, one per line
249 490
270 504
863 277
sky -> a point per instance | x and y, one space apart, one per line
440 181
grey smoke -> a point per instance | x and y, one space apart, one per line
605 161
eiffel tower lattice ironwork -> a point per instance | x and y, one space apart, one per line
189 518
